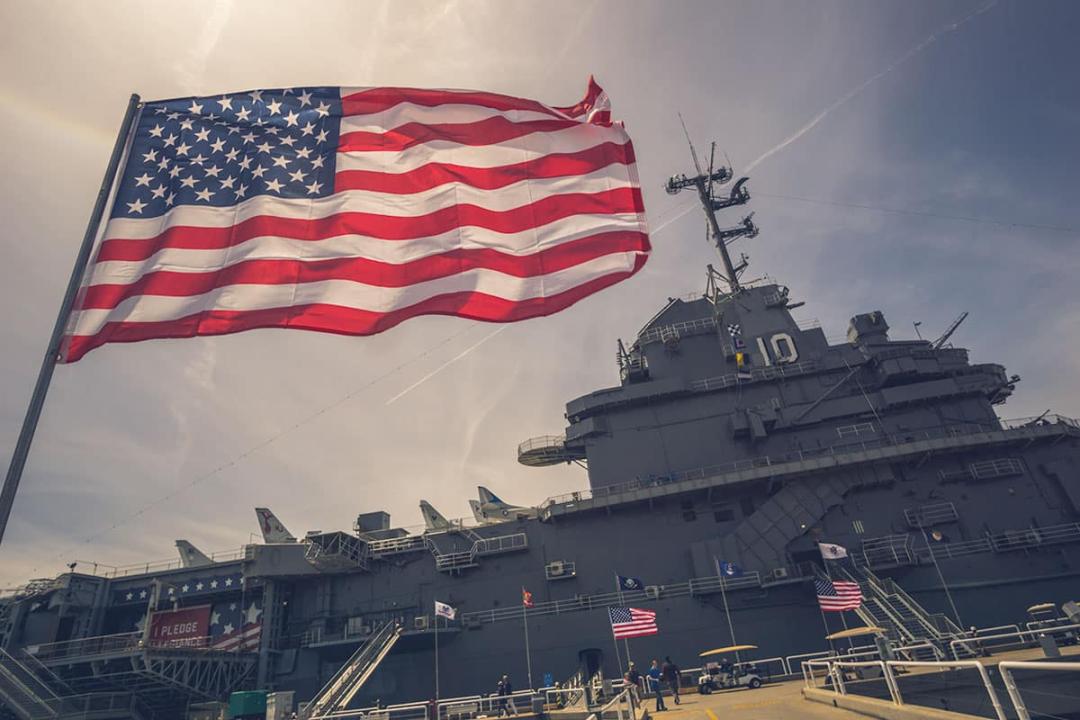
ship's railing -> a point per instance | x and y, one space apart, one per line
542 441
699 326
720 382
1008 667
896 439
973 644
121 643
118 571
929 515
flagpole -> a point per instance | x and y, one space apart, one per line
436 667
727 612
52 351
528 655
843 620
626 642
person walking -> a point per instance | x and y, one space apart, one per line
670 672
656 685
506 700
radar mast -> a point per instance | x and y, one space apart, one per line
706 184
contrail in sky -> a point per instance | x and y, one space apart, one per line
445 365
951 27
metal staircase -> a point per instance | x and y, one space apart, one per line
23 692
342 688
886 605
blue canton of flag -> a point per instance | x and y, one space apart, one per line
729 569
631 583
236 625
221 151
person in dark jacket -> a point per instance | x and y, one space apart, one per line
670 673
656 684
506 701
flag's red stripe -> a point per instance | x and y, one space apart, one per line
386 227
366 270
343 320
433 175
376 100
489 131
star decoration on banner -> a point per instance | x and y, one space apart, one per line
218 151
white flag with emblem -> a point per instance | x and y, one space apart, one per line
444 610
830 551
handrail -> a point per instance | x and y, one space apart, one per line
1019 635
943 664
338 685
1006 669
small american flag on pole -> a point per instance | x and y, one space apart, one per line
632 622
838 594
350 210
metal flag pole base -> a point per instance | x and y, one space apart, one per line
52 352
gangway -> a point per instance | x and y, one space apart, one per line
342 688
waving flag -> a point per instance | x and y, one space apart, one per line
444 610
831 551
632 622
349 210
837 594
630 583
526 598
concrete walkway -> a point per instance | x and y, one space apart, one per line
774 701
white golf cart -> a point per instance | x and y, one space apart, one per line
724 675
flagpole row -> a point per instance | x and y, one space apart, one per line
52 352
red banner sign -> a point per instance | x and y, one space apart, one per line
187 627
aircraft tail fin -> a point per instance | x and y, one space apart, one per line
273 530
191 556
433 519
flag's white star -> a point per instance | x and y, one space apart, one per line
195 108
233 129
163 164
305 99
203 194
241 190
264 147
150 156
298 176
323 109
292 119
317 162
199 586
161 110
170 199
213 171
185 588
136 207
243 114
198 159
314 187
182 148
186 124
274 107
248 138
158 192
129 596
303 152
253 613
143 179
288 140
232 154
245 163
188 182
218 145
172 116
174 171
203 135
156 131
281 161
228 581
308 129
321 137
272 130
170 141
227 182
228 628
225 102
142 594
232 606
258 171
213 586
274 186
256 95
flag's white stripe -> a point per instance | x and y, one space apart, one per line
509 152
154 308
398 252
407 112
388 204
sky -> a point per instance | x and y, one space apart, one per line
913 157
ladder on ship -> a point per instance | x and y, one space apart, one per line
886 605
342 688
23 692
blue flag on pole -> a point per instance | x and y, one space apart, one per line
630 583
729 569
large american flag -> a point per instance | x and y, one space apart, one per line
236 625
632 622
349 210
837 594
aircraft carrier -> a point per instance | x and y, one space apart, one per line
732 434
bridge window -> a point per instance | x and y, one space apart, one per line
855 430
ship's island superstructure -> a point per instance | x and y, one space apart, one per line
735 434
